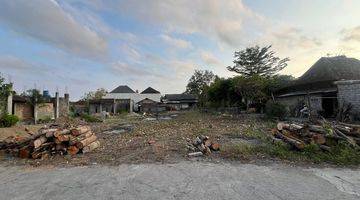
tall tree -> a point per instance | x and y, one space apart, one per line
199 84
257 61
199 81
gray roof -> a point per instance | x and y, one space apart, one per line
332 69
179 97
122 89
150 90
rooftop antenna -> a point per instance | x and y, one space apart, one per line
66 89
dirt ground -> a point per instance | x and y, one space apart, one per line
147 140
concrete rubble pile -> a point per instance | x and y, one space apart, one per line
50 141
324 134
202 145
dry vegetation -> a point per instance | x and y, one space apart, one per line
133 139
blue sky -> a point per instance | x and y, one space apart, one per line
80 45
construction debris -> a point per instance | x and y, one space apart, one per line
325 134
202 145
50 141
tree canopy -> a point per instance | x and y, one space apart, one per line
94 95
257 61
199 81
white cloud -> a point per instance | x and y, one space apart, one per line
126 70
178 43
46 21
222 21
13 63
209 58
352 34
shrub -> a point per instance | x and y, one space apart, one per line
90 118
275 110
8 120
45 120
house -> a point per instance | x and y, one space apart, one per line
110 105
180 101
51 108
21 108
148 105
329 83
125 92
123 98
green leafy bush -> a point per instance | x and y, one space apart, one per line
90 118
8 120
275 110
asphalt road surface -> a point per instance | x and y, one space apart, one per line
184 180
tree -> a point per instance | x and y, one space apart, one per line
34 96
5 91
253 90
98 94
199 84
222 93
257 61
199 81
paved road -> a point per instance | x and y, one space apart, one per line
185 180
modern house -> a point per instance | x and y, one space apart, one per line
125 92
179 101
328 84
123 98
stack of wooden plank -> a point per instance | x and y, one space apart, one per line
325 134
52 140
202 145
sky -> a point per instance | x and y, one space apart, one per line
77 46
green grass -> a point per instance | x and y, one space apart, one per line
340 154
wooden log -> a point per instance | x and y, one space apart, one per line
317 129
72 150
325 148
215 146
39 154
350 125
63 138
62 132
80 130
294 142
81 144
350 140
91 146
44 131
60 147
207 143
291 127
39 141
24 152
28 131
319 139
73 140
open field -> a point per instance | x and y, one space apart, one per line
134 139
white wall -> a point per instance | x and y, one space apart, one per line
136 97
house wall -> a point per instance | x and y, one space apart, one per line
349 91
64 106
44 111
23 110
292 102
136 97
